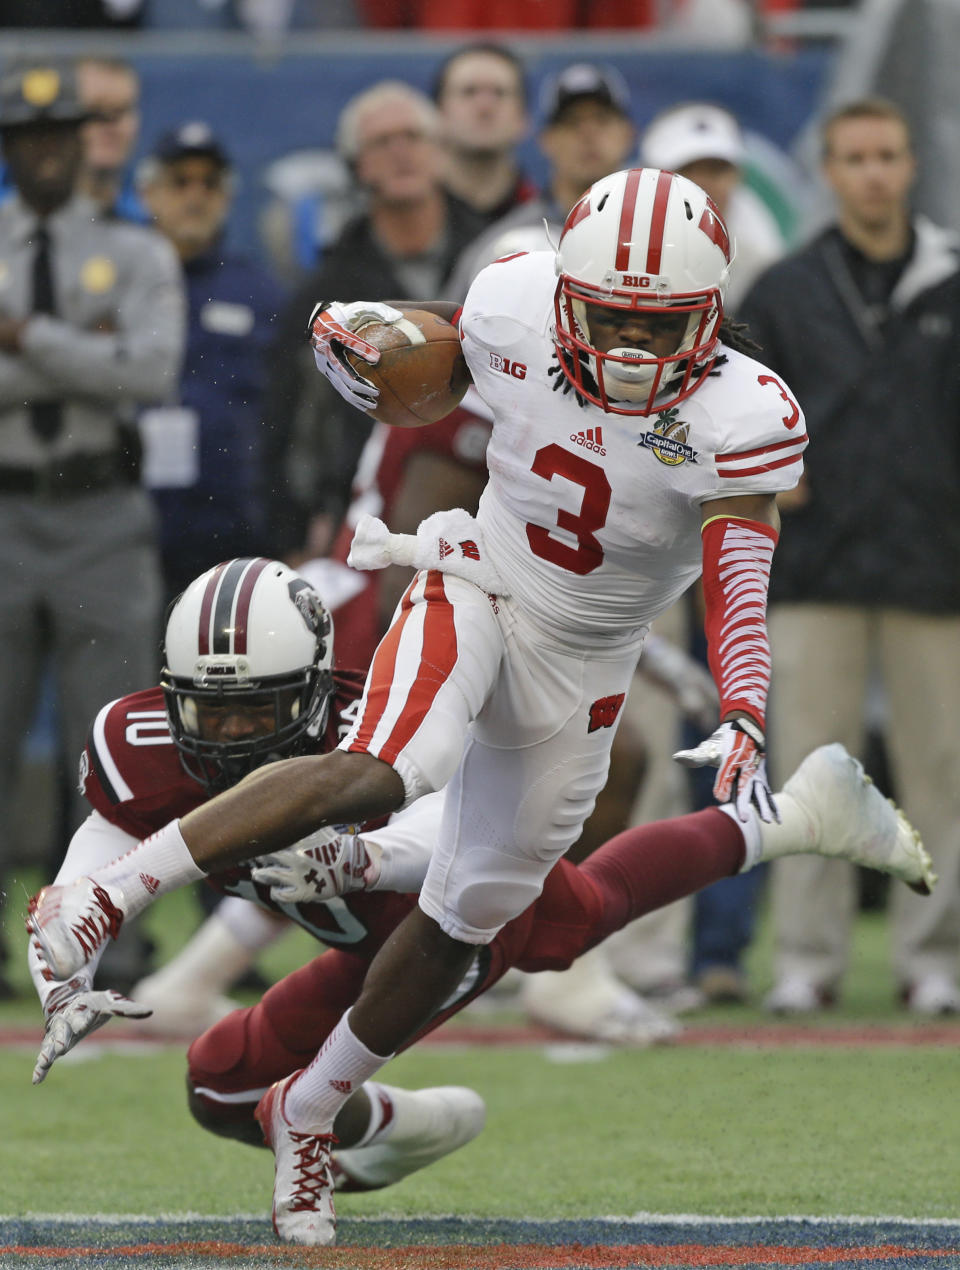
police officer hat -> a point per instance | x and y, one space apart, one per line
40 93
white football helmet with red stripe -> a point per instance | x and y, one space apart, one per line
641 240
249 633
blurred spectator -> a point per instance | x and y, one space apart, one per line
705 143
481 93
209 464
863 325
109 88
311 196
402 245
83 14
587 132
91 324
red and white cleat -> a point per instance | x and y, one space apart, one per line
303 1183
71 923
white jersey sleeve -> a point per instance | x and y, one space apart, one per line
757 434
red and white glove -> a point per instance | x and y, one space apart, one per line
319 867
331 330
738 749
72 1012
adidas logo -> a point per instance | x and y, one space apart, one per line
445 549
592 439
341 1086
152 884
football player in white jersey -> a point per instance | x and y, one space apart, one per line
634 446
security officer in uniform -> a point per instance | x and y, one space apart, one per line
91 325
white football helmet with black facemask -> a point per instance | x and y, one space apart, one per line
646 242
249 633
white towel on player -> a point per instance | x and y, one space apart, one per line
450 541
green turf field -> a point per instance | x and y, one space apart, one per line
719 1129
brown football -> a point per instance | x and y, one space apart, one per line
422 374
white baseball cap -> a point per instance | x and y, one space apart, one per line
684 134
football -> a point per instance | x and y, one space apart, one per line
422 374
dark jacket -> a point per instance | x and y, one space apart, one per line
233 306
882 406
354 268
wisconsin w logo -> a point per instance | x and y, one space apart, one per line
604 711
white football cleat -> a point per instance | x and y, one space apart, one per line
934 994
71 923
303 1184
597 1007
795 995
851 820
176 1012
427 1125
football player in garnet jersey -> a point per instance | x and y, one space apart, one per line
509 695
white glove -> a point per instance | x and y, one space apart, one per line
737 748
331 329
319 867
72 1012
690 683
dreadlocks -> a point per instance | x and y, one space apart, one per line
736 335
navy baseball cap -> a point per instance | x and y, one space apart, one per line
584 79
189 140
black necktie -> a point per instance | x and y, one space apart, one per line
45 416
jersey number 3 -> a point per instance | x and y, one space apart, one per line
587 555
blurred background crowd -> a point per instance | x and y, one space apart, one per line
221 165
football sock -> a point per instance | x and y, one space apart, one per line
321 1089
797 832
650 866
158 864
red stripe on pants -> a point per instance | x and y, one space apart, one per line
438 656
380 676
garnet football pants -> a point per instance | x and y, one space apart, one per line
235 1061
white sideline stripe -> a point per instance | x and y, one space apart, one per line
246 1095
678 1219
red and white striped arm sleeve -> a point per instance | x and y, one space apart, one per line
736 574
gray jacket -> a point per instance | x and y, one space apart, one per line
116 341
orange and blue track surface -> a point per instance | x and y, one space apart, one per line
462 1243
